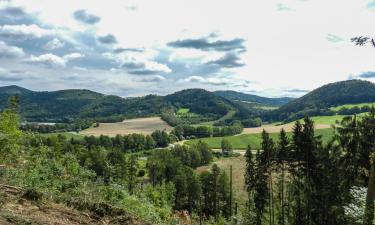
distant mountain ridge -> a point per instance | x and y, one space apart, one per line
239 96
68 105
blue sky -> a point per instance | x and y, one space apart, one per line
133 48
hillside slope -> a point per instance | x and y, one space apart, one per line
69 105
318 101
239 96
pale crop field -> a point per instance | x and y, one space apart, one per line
139 126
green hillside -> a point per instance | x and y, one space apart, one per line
69 105
320 100
238 96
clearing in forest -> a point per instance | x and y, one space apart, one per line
238 170
139 126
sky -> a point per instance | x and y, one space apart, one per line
134 48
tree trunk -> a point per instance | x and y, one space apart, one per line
370 198
231 192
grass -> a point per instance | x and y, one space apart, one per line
329 120
243 140
183 110
349 106
229 115
185 113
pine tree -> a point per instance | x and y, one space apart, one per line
249 174
367 129
132 167
260 189
268 160
224 194
282 157
215 176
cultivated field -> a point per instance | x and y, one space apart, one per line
139 125
254 140
349 106
275 129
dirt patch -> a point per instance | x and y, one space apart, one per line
276 129
139 125
16 210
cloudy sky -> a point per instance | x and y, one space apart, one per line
132 48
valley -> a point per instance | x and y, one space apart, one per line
145 151
190 112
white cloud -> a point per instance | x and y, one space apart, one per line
210 80
24 31
291 49
7 51
72 56
54 44
140 63
49 60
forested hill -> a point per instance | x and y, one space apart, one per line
239 96
318 101
69 105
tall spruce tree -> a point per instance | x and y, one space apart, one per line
260 189
267 157
367 129
249 173
281 160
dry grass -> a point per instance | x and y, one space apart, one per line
238 168
140 126
16 210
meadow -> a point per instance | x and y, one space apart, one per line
254 140
349 106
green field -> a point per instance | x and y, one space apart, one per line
229 115
242 141
349 106
183 111
330 120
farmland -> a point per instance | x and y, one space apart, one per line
140 125
254 140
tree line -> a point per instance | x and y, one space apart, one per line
186 132
300 181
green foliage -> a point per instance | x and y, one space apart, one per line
161 138
226 147
10 135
